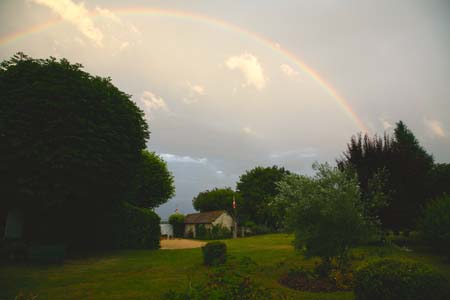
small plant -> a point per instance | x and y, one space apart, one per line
392 279
23 296
214 253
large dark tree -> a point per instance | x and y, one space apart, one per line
257 188
70 143
215 199
153 182
402 168
440 180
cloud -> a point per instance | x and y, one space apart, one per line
301 153
153 103
78 15
435 127
248 130
173 158
249 65
385 123
288 70
195 90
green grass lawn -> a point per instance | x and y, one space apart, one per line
141 274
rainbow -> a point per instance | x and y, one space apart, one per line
343 103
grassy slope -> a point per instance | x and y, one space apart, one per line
147 274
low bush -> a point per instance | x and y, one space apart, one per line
392 279
214 253
435 225
136 228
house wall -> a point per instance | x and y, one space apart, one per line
225 220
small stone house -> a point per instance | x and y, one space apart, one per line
207 219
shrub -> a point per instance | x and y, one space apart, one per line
214 253
177 221
435 225
326 213
399 279
136 228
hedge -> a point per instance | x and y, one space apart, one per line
136 228
392 279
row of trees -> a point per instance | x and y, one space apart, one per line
72 151
396 177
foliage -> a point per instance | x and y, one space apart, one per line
402 167
258 188
399 279
440 180
325 212
216 232
254 229
216 199
214 253
136 228
69 145
153 182
223 284
177 221
435 224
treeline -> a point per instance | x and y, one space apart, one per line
397 178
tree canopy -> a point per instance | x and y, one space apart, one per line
257 188
215 199
70 143
401 165
153 182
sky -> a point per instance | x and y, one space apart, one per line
230 85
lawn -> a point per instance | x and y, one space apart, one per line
141 274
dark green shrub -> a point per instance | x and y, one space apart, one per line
136 228
214 253
177 221
201 232
435 225
399 279
51 253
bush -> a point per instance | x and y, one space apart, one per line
177 221
214 253
435 225
136 228
399 279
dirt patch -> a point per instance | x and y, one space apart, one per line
180 244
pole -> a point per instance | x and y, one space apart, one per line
235 218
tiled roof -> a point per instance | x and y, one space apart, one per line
203 218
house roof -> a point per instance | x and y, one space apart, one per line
203 218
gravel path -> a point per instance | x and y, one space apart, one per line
180 244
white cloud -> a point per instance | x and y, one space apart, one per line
248 130
385 123
302 153
182 159
435 127
288 70
249 65
153 102
195 90
106 13
77 14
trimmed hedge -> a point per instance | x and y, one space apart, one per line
392 279
214 253
136 228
